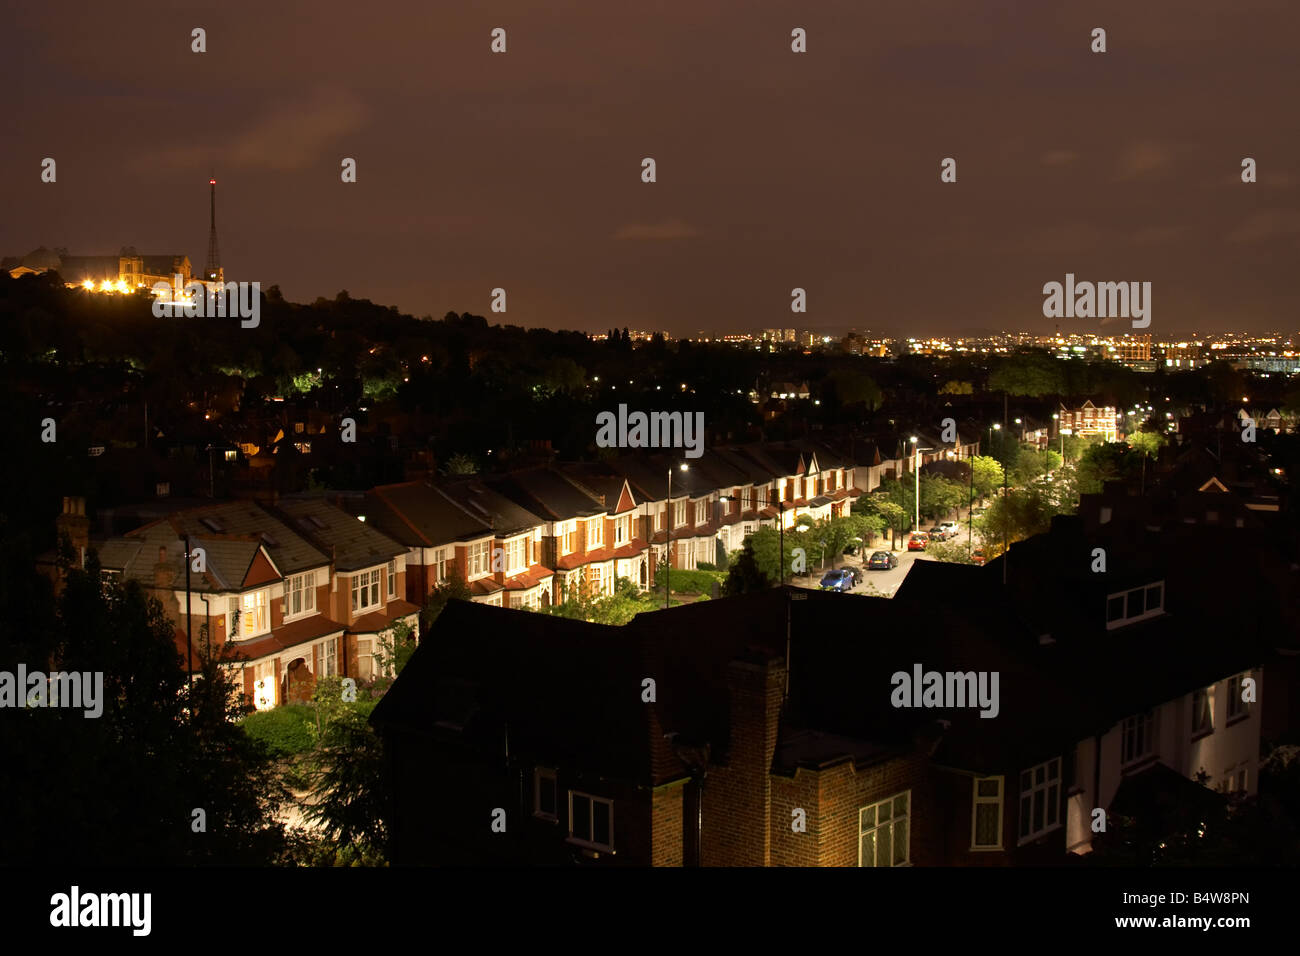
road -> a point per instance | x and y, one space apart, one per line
881 583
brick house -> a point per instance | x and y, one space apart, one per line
442 539
368 589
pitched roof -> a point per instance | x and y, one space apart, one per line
417 514
355 543
504 516
547 493
289 549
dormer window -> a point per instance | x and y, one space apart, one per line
1135 604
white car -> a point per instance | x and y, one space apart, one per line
950 528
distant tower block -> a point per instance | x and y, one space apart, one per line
212 271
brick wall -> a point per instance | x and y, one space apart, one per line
737 796
667 821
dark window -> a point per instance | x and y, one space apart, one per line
580 825
600 824
1135 603
1115 609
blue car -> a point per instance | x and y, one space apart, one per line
837 581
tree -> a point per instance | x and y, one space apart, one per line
896 519
462 464
988 475
955 387
954 552
1030 373
744 576
156 725
347 797
854 387
941 497
1103 462
453 588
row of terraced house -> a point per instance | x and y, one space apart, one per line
311 586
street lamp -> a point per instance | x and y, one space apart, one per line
668 541
917 469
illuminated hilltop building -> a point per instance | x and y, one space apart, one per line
127 271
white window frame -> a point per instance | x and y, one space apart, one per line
679 514
1208 728
1237 708
540 774
1148 612
327 658
439 565
1040 791
892 823
367 667
596 579
589 841
620 530
479 560
251 623
1141 728
300 590
392 579
516 557
595 533
365 590
977 801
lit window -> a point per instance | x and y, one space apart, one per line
250 612
1236 706
1040 799
883 832
986 815
1202 715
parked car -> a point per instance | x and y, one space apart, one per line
950 528
854 572
882 561
917 541
853 546
978 556
837 581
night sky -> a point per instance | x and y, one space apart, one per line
775 169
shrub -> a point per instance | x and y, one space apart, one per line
695 581
290 729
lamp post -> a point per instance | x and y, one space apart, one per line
668 541
917 469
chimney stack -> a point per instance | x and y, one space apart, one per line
74 523
164 575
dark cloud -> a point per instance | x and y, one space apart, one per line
818 170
